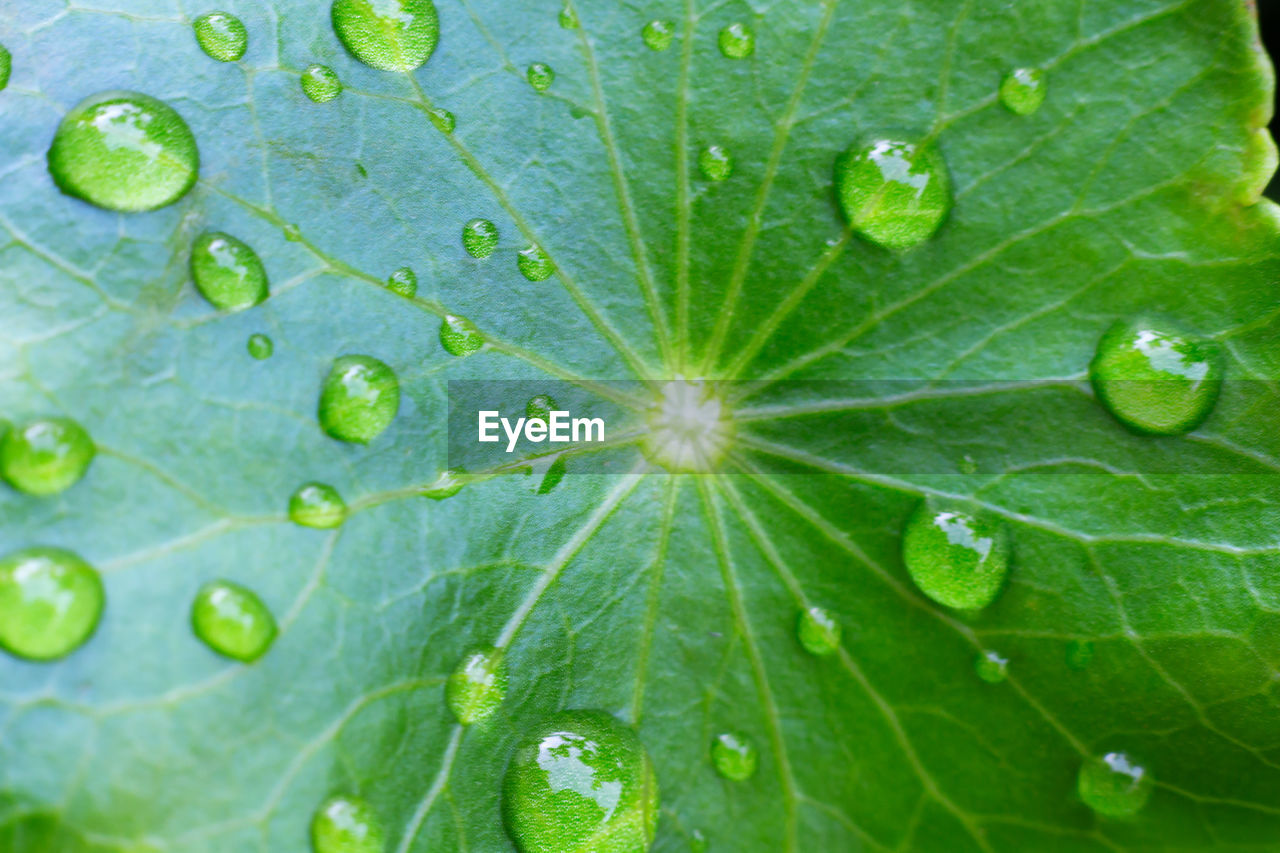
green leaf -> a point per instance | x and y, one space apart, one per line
1141 617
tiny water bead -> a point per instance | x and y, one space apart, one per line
540 407
459 336
535 264
1114 785
347 824
317 505
480 238
990 667
554 476
478 686
403 281
444 121
956 558
221 35
541 76
50 603
320 83
658 35
568 18
389 35
227 272
715 163
580 781
734 756
1156 381
894 194
1079 654
448 484
124 151
1023 90
261 346
818 631
359 399
233 621
46 456
737 41
6 66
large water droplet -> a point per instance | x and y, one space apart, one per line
6 66
1155 381
347 824
715 163
1079 654
568 18
734 756
260 346
480 238
359 399
658 35
124 151
221 35
317 505
894 194
320 83
403 281
579 781
444 121
50 603
990 667
535 264
390 35
46 456
233 621
1114 785
958 559
541 76
1023 90
227 272
737 41
818 631
459 336
477 687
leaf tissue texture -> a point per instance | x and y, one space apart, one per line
942 381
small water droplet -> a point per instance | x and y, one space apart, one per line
568 18
459 336
478 685
6 66
734 756
1079 654
233 621
555 473
480 238
261 346
658 35
715 163
359 399
124 151
448 484
956 558
317 505
818 631
1114 785
540 407
535 264
50 603
444 121
698 842
292 233
894 194
990 667
403 281
541 76
578 780
390 35
1023 90
1155 381
46 456
221 35
967 465
227 272
737 41
320 83
347 824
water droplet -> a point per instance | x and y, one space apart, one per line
459 336
1079 654
390 35
715 163
6 66
360 399
967 465
317 505
477 687
261 347
535 264
734 756
1023 90
221 35
361 170
568 18
50 603
541 76
448 484
403 281
555 473
580 780
320 83
956 558
658 35
233 621
1155 381
227 272
698 842
480 238
1114 785
444 120
124 151
46 456
540 407
990 667
818 631
346 824
737 41
894 194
